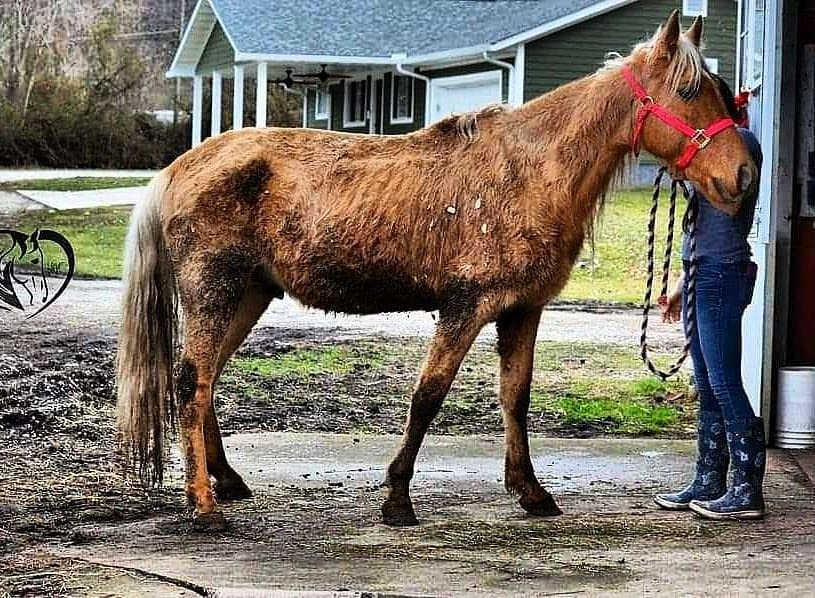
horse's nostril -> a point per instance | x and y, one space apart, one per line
744 180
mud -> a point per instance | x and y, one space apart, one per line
71 524
59 472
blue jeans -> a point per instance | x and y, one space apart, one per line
723 291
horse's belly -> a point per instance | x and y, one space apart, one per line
363 289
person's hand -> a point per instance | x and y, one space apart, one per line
671 307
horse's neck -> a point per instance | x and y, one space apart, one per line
576 138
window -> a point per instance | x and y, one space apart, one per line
694 8
752 43
712 65
402 99
751 56
355 103
322 103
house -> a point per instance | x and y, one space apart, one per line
393 66
409 62
777 61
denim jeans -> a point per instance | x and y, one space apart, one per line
723 291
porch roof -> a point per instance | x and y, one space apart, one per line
375 31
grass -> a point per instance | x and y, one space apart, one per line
585 387
615 273
303 363
592 384
77 183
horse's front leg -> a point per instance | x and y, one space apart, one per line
448 348
516 347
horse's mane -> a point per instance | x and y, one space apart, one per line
465 125
684 73
688 60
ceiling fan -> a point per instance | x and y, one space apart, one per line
288 80
323 76
320 78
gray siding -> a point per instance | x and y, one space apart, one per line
418 108
218 54
578 51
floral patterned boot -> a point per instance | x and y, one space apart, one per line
711 465
744 498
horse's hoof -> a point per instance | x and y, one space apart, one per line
212 522
398 514
233 490
541 506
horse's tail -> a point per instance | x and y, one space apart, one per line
144 364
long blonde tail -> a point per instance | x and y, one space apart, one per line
146 407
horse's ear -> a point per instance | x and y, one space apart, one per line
694 34
668 37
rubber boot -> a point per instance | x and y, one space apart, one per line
711 465
744 498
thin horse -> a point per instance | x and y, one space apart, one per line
479 216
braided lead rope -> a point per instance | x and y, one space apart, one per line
690 319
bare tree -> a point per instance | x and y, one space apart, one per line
28 32
35 37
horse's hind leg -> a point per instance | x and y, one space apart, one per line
228 484
448 348
211 286
516 347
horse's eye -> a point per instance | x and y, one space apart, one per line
688 92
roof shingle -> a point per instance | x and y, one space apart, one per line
381 28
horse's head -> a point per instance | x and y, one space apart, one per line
681 116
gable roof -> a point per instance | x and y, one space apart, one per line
376 31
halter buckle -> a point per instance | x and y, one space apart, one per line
700 139
647 100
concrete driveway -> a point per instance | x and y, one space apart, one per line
76 200
22 199
313 526
94 305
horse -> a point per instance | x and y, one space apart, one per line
480 217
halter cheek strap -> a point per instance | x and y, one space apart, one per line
699 138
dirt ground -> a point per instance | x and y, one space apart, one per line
72 525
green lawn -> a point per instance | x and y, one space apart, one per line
77 183
303 363
587 383
615 274
575 385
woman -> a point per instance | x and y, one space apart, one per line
729 432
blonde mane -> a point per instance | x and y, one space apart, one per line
686 67
466 124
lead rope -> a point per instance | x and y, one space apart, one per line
690 316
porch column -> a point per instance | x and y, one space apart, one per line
217 86
261 97
517 91
237 97
197 108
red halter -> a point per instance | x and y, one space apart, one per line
699 138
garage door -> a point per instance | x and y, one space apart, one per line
463 93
